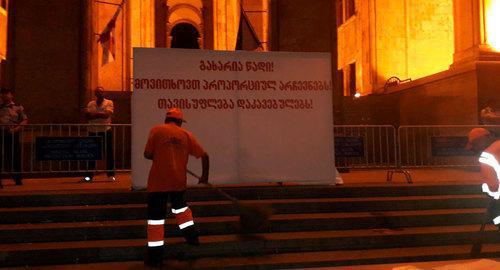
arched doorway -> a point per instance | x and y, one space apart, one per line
185 35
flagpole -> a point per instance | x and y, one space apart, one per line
108 3
106 37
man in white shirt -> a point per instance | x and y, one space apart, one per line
99 113
490 114
12 119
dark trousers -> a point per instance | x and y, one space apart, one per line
494 210
157 206
108 153
10 155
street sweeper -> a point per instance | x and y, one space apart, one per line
169 147
482 141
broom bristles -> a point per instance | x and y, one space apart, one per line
253 218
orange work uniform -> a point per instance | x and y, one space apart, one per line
170 146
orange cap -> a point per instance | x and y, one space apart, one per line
475 135
175 113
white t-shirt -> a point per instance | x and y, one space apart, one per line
106 105
489 112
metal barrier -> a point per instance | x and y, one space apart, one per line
64 148
436 146
40 147
365 146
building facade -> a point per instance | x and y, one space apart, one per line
411 61
54 58
3 37
417 61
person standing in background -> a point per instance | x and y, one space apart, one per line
490 114
99 113
12 117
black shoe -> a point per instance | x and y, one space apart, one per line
154 258
343 170
191 235
86 179
193 241
111 176
153 263
19 182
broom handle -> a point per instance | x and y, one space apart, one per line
221 192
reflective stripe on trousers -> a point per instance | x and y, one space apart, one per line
183 217
156 232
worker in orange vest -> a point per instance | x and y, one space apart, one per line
169 146
482 141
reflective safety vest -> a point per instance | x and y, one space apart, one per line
490 160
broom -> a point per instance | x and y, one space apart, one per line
253 218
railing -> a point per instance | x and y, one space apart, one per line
365 146
356 147
20 152
436 146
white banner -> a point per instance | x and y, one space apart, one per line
261 117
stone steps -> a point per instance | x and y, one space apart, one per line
333 258
225 208
106 197
124 229
353 224
234 246
301 260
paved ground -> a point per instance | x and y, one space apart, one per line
358 177
483 264
67 183
479 264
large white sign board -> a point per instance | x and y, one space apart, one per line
261 117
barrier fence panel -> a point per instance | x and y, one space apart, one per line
65 148
365 146
70 148
436 146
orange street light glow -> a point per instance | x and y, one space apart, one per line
492 24
357 95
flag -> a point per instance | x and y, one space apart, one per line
247 38
107 39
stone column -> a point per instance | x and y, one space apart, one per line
470 32
208 24
274 25
9 63
169 36
161 17
88 63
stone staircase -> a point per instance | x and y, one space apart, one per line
313 226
